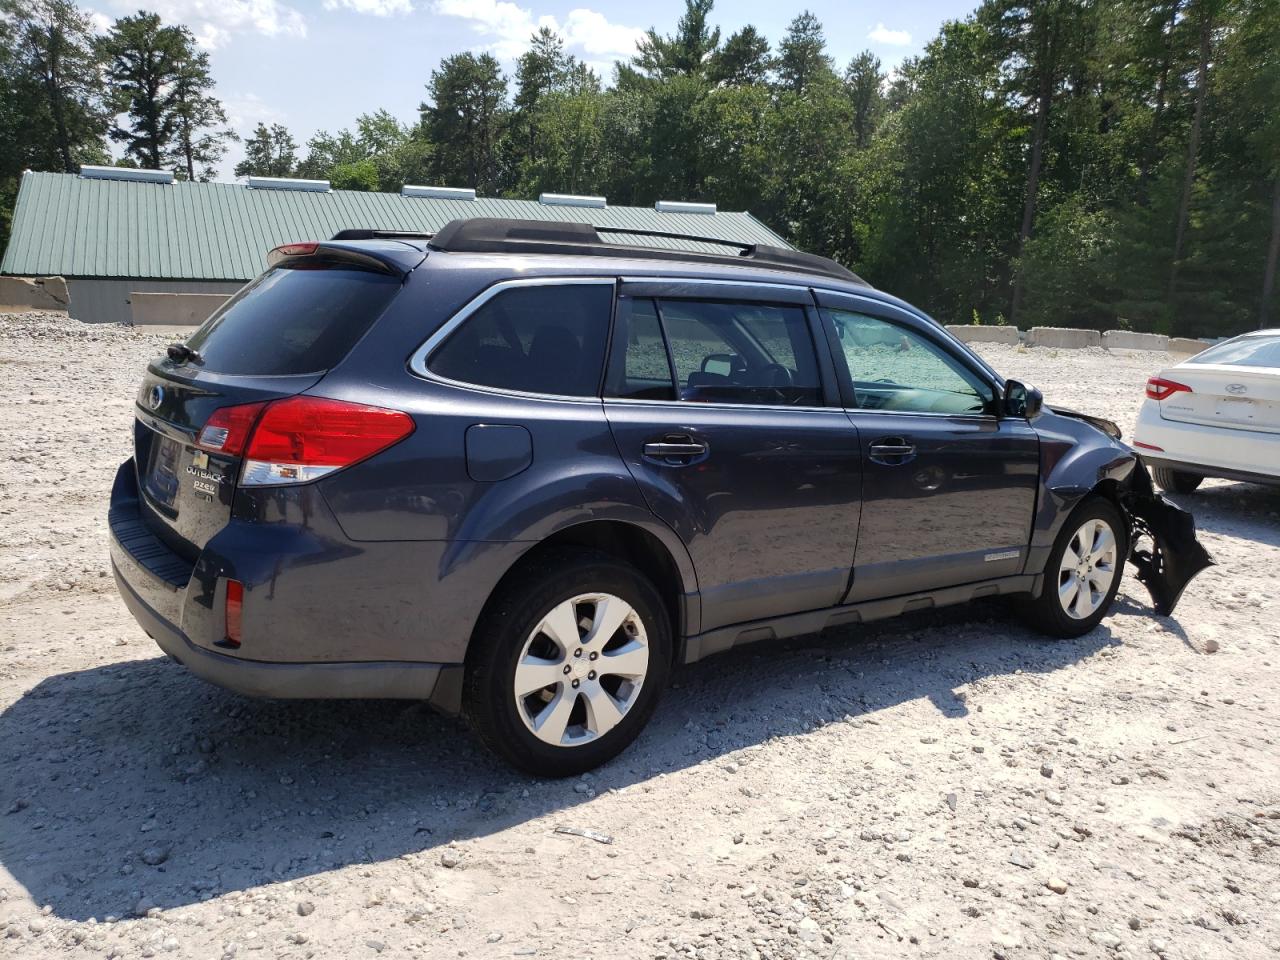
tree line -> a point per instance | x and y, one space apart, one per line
1103 163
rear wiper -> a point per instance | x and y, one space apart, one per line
181 353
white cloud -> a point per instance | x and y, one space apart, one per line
100 21
892 38
215 22
377 8
593 32
246 111
509 26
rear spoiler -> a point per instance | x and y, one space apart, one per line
392 257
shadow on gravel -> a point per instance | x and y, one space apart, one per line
111 769
1246 511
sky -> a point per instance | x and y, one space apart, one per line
318 64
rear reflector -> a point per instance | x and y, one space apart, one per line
1148 446
227 430
235 609
304 438
1159 388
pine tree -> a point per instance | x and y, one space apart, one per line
465 119
864 80
201 138
802 58
53 87
684 53
270 152
744 59
144 62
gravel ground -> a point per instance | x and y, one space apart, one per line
944 785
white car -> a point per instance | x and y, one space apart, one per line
1216 414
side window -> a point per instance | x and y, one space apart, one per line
537 339
640 369
894 368
741 353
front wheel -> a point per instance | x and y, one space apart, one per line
1083 572
1176 481
568 663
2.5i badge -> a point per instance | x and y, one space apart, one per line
206 481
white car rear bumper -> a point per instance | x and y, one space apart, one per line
1210 451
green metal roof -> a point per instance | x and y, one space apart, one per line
67 225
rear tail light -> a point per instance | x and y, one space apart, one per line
1148 446
1159 388
304 438
301 438
234 611
228 429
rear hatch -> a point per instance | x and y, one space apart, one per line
1235 385
276 338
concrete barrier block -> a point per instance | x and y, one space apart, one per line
970 333
184 309
1186 345
1127 340
18 294
1067 338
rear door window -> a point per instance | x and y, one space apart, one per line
719 352
293 320
532 339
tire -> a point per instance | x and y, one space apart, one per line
1176 481
1060 611
593 705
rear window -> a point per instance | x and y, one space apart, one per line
1246 352
292 320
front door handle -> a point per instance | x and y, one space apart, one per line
676 449
892 451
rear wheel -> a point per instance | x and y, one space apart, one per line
1083 572
568 665
1176 481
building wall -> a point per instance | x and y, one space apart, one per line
107 301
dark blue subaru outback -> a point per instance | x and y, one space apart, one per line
521 471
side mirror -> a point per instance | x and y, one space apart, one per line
1022 401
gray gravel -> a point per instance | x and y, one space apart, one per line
884 792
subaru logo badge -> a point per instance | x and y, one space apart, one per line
155 397
1237 388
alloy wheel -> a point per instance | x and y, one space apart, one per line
581 669
1088 569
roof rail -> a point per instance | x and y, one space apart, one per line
362 234
494 235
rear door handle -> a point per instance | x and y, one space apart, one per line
892 451
675 449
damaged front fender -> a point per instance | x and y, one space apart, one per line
1174 555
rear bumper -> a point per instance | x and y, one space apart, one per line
322 681
161 589
1210 451
1204 470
